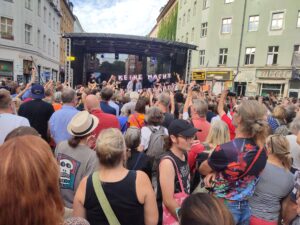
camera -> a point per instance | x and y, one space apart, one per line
196 88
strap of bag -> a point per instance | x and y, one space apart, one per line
136 119
177 171
104 203
137 161
252 164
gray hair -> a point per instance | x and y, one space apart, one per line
133 137
68 95
57 97
201 107
295 126
154 116
164 99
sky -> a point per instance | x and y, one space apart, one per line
134 17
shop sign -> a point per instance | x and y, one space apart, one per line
218 75
274 74
198 75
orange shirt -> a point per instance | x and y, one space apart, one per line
136 120
56 106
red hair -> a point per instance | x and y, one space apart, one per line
29 190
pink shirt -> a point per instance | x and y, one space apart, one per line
204 126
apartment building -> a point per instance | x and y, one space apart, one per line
252 46
29 36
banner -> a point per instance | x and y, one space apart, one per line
140 77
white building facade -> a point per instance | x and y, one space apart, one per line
30 32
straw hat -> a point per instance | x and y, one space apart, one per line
82 124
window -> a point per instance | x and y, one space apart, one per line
186 37
6 28
202 57
28 4
192 34
49 20
188 15
298 21
272 55
45 14
296 56
53 25
183 20
250 54
228 1
49 46
226 25
277 21
223 56
179 22
28 29
253 23
39 38
39 7
203 30
44 43
195 8
57 27
205 4
276 89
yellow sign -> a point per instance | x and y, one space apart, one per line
70 58
198 75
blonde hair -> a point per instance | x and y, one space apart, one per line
280 148
279 112
253 121
110 147
218 133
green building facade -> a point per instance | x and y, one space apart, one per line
251 46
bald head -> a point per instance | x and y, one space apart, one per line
92 102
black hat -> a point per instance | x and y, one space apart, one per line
182 127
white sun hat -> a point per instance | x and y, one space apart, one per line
82 124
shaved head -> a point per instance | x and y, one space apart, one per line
92 102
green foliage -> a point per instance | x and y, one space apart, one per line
117 67
168 26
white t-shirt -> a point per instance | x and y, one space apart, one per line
146 134
295 150
9 122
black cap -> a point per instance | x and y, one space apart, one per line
182 127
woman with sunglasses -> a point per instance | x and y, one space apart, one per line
275 183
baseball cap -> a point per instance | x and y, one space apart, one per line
182 127
37 91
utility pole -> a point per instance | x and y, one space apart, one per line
241 42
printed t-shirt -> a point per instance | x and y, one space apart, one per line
230 161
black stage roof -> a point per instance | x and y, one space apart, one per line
127 44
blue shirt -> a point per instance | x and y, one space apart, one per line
115 106
59 121
107 109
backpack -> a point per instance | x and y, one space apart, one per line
156 142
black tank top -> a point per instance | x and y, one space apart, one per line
122 198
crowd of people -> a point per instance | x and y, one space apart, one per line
170 154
